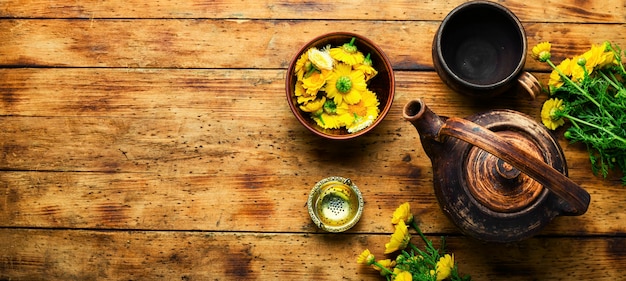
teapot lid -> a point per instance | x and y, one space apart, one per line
498 185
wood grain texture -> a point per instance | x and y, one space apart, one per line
141 255
144 140
539 11
249 44
116 142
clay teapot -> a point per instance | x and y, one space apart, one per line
498 175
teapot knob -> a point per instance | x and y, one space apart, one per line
506 171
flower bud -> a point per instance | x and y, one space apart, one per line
400 259
567 134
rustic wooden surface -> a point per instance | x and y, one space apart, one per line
147 140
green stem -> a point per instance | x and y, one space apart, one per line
563 76
310 70
572 118
621 91
617 54
432 252
414 248
352 41
382 268
610 81
419 231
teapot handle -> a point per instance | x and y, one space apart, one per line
576 197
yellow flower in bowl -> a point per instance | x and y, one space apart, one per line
322 60
346 84
348 53
340 85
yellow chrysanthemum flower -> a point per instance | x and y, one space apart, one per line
368 106
444 266
368 70
564 67
299 90
607 58
302 66
366 257
321 58
548 110
302 96
593 57
401 275
315 81
578 70
402 213
306 99
541 52
365 112
347 53
334 118
601 55
345 84
399 239
327 121
598 56
313 105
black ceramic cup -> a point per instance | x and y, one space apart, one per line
480 50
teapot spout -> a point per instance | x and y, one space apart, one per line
427 124
423 119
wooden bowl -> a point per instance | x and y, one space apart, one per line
383 84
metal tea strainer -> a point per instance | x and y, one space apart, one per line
335 204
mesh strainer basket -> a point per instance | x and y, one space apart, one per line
335 204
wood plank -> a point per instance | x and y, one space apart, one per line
221 95
138 255
158 116
182 43
143 141
537 11
116 143
243 200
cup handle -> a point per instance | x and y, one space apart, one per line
530 83
576 197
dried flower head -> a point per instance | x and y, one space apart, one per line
320 58
366 257
403 276
346 84
444 266
549 115
541 51
399 239
347 53
402 213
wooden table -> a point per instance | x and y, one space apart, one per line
153 140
